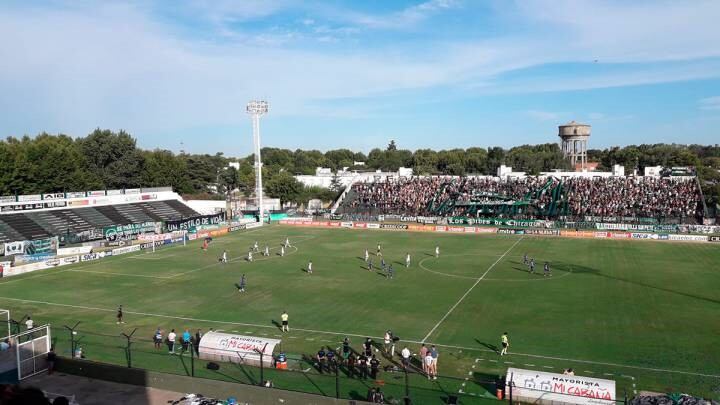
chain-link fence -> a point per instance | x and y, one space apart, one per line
302 373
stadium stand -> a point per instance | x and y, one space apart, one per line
37 223
660 199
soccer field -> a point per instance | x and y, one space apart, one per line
642 313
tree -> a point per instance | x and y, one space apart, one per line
283 186
335 184
114 157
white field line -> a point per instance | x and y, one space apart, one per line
115 274
600 363
471 288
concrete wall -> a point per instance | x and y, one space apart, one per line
178 383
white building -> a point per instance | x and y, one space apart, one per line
324 176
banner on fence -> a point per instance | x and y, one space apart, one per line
193 222
525 223
119 232
532 386
251 225
94 256
713 238
37 257
32 247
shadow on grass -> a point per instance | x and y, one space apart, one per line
277 325
489 346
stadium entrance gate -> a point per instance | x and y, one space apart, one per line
27 355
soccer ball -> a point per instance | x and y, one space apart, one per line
376 350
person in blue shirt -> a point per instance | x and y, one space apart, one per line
186 340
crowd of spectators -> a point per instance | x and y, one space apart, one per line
647 197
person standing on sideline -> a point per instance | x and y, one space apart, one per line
423 353
284 318
428 365
224 256
171 337
505 343
157 338
196 343
405 353
120 315
51 358
437 251
434 354
29 323
241 286
309 267
374 367
407 260
186 338
387 340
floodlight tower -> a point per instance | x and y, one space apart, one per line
257 108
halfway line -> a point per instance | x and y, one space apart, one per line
471 288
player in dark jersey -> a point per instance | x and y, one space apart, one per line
546 270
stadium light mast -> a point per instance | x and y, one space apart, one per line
257 108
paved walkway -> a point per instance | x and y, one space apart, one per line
90 392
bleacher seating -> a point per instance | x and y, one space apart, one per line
43 224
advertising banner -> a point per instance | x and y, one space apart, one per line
346 224
14 248
94 256
30 197
116 232
359 225
96 193
534 231
32 247
126 249
80 250
496 221
8 198
38 257
639 235
713 238
77 194
53 196
238 227
161 236
532 386
132 191
373 226
252 225
688 238
187 224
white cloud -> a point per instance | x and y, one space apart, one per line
710 103
402 19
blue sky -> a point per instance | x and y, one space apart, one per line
433 74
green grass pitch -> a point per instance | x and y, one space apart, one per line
646 314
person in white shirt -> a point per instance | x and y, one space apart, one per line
29 323
428 361
171 341
309 267
267 250
405 353
282 251
224 256
437 251
249 258
255 247
367 255
407 260
287 242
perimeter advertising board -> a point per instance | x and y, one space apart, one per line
194 222
532 386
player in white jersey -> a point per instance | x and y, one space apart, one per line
267 250
255 247
282 251
309 267
224 256
437 251
367 256
407 260
249 257
287 242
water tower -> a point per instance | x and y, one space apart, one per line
574 140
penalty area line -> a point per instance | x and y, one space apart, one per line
471 288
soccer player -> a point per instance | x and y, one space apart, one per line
250 256
382 264
546 270
428 365
157 338
505 343
370 265
284 319
423 354
407 260
525 259
367 255
379 250
532 265
267 251
374 367
309 267
282 251
224 256
119 315
241 285
434 355
287 242
390 272
405 353
321 358
255 247
29 323
437 251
